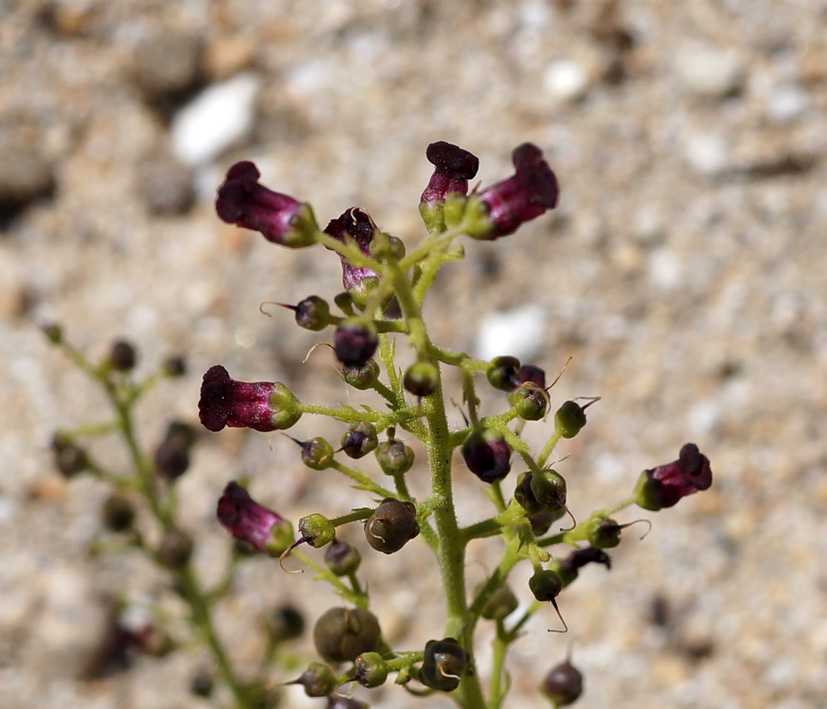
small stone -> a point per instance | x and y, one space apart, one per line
517 332
25 176
786 103
707 154
566 80
219 116
168 66
166 185
709 72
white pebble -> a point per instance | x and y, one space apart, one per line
709 72
566 80
787 103
707 154
215 119
517 332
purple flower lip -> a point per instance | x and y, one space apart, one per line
665 485
355 223
527 194
453 168
243 201
244 518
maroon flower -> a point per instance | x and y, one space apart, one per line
262 406
522 197
249 521
243 201
663 486
357 224
453 167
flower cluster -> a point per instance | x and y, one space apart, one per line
384 285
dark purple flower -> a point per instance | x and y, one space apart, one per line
355 223
243 201
262 406
487 455
522 197
245 519
453 167
663 486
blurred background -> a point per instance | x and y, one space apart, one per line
685 271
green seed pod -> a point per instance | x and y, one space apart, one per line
316 530
317 453
603 532
318 680
443 665
392 525
501 603
175 549
395 458
569 419
313 313
504 373
117 513
342 634
531 402
362 377
371 670
421 379
541 492
342 558
545 585
285 623
541 521
563 684
360 440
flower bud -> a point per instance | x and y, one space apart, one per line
563 684
253 523
175 549
262 406
172 457
487 455
500 604
316 530
569 419
318 680
443 665
243 201
392 525
501 209
118 513
122 356
395 458
545 584
362 377
371 670
175 366
70 459
355 341
503 373
531 402
342 558
360 440
421 379
663 486
342 634
285 623
313 313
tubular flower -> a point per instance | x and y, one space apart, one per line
251 522
664 485
262 406
355 223
243 201
527 194
453 167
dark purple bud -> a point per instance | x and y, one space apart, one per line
123 356
249 521
453 167
540 492
527 194
563 684
172 457
503 373
118 513
243 201
443 665
487 455
355 341
356 224
663 486
262 406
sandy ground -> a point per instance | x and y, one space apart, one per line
684 271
